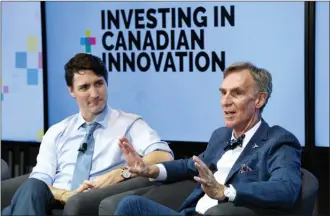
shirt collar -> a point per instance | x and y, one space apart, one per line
248 134
101 118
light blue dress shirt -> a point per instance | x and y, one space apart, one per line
59 147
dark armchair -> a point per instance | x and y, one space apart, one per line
86 203
308 194
173 195
5 174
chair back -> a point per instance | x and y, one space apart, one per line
4 170
308 194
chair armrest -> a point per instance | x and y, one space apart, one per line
9 187
171 195
87 203
109 205
229 209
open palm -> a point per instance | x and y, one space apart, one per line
133 160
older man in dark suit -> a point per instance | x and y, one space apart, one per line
247 163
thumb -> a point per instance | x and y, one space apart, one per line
133 170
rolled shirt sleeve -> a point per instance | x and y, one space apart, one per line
46 160
146 140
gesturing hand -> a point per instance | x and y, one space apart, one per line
134 162
206 178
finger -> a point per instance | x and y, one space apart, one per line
120 144
202 166
89 183
123 149
128 145
82 188
125 167
129 148
200 180
124 139
88 189
202 172
199 161
135 170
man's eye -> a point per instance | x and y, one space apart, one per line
237 92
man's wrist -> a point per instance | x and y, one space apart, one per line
230 192
61 198
65 196
153 171
221 194
57 193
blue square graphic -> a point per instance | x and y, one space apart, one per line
21 59
32 76
83 41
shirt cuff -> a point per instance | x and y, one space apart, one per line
162 173
230 192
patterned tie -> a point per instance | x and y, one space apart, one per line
84 158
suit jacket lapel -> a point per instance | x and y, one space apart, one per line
218 154
258 138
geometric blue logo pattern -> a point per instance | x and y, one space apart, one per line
32 76
21 59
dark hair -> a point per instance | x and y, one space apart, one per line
84 61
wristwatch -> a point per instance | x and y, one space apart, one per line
125 173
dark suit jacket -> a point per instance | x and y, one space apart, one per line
274 181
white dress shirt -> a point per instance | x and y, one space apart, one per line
224 166
59 148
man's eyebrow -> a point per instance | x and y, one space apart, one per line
233 89
84 84
99 80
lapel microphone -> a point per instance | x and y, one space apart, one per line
83 148
232 144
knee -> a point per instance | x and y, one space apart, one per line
34 187
222 209
127 203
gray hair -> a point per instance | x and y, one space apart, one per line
261 76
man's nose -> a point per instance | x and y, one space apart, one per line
94 92
226 100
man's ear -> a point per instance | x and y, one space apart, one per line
261 100
70 88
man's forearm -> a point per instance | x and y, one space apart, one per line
157 157
150 159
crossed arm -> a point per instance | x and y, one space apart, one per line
110 178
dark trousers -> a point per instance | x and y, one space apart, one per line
138 205
31 198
